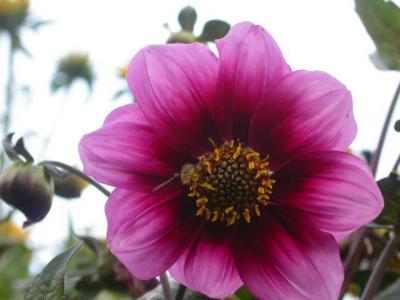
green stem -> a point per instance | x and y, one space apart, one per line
181 292
379 270
9 90
47 140
166 287
353 258
77 173
377 154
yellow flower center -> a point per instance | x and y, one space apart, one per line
230 183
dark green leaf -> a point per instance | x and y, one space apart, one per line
214 29
49 284
390 188
382 21
187 18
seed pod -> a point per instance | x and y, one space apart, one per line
28 188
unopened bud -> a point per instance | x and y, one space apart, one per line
28 188
69 186
13 14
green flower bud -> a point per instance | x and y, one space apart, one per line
72 67
28 188
70 186
13 14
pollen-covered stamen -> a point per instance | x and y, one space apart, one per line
230 183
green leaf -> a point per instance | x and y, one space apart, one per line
382 21
390 188
49 284
187 18
214 29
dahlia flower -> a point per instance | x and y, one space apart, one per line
232 170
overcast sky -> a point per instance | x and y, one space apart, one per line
313 35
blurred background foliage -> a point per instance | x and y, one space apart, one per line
90 269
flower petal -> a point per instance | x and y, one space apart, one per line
286 257
172 84
126 152
306 111
208 266
335 189
146 233
250 64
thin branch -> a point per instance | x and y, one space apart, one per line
377 154
379 270
166 287
77 173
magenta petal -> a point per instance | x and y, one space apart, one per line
250 64
288 258
146 232
126 151
335 189
173 84
208 266
306 111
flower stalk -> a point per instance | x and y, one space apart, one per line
166 286
353 258
379 270
77 173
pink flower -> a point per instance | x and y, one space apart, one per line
266 190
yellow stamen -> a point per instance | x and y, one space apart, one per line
261 172
208 165
194 194
201 201
252 165
237 152
261 190
229 209
257 210
213 143
252 154
217 155
208 186
201 211
246 215
215 216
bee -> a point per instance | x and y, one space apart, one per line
185 176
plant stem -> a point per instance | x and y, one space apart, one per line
48 138
77 173
353 258
379 270
377 154
9 90
165 286
181 292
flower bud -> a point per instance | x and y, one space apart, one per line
28 188
13 14
73 66
69 186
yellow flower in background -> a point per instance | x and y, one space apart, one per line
11 231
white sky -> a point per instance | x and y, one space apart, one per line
313 35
